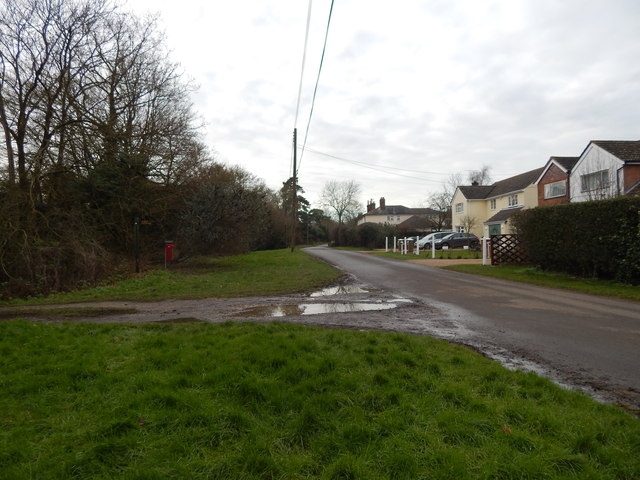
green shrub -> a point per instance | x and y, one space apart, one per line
599 239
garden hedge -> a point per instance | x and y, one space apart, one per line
599 239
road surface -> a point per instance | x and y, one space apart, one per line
583 340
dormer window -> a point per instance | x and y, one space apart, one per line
513 200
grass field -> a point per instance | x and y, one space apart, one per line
535 276
279 401
258 273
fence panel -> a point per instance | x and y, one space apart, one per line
507 249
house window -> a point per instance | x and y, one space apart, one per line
459 207
390 218
459 228
594 181
513 200
555 189
492 204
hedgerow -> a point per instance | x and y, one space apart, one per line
598 239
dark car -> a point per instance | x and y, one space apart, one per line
458 240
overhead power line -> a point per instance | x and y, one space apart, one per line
315 90
304 58
392 169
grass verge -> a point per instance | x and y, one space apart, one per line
256 401
257 273
440 254
535 276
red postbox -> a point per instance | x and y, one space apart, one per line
168 250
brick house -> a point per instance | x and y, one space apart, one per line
553 183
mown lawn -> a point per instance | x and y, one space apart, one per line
536 276
257 273
280 401
440 254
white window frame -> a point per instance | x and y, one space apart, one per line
594 181
492 204
513 200
551 190
459 207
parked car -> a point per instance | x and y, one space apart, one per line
425 242
458 240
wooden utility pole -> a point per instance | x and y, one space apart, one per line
294 189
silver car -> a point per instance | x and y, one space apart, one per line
425 242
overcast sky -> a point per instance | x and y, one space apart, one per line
410 91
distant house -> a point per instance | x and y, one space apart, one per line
605 169
486 209
406 219
553 183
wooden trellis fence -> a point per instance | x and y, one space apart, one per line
507 249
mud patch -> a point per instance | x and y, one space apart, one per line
63 312
181 320
339 290
312 309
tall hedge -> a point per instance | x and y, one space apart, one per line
599 239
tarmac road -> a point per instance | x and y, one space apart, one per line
589 341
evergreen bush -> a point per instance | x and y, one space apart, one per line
598 239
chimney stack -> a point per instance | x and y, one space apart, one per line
371 206
475 183
382 204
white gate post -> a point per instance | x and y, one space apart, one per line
484 250
394 244
386 244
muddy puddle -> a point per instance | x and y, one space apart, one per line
312 309
339 290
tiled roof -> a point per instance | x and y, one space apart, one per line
503 215
416 223
476 192
512 184
625 150
567 162
401 210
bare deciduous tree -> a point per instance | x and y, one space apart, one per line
441 203
341 198
468 223
480 177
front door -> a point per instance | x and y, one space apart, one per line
494 229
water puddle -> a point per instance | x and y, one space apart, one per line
339 290
312 309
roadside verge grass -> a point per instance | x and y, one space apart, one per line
536 276
256 401
270 272
426 254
